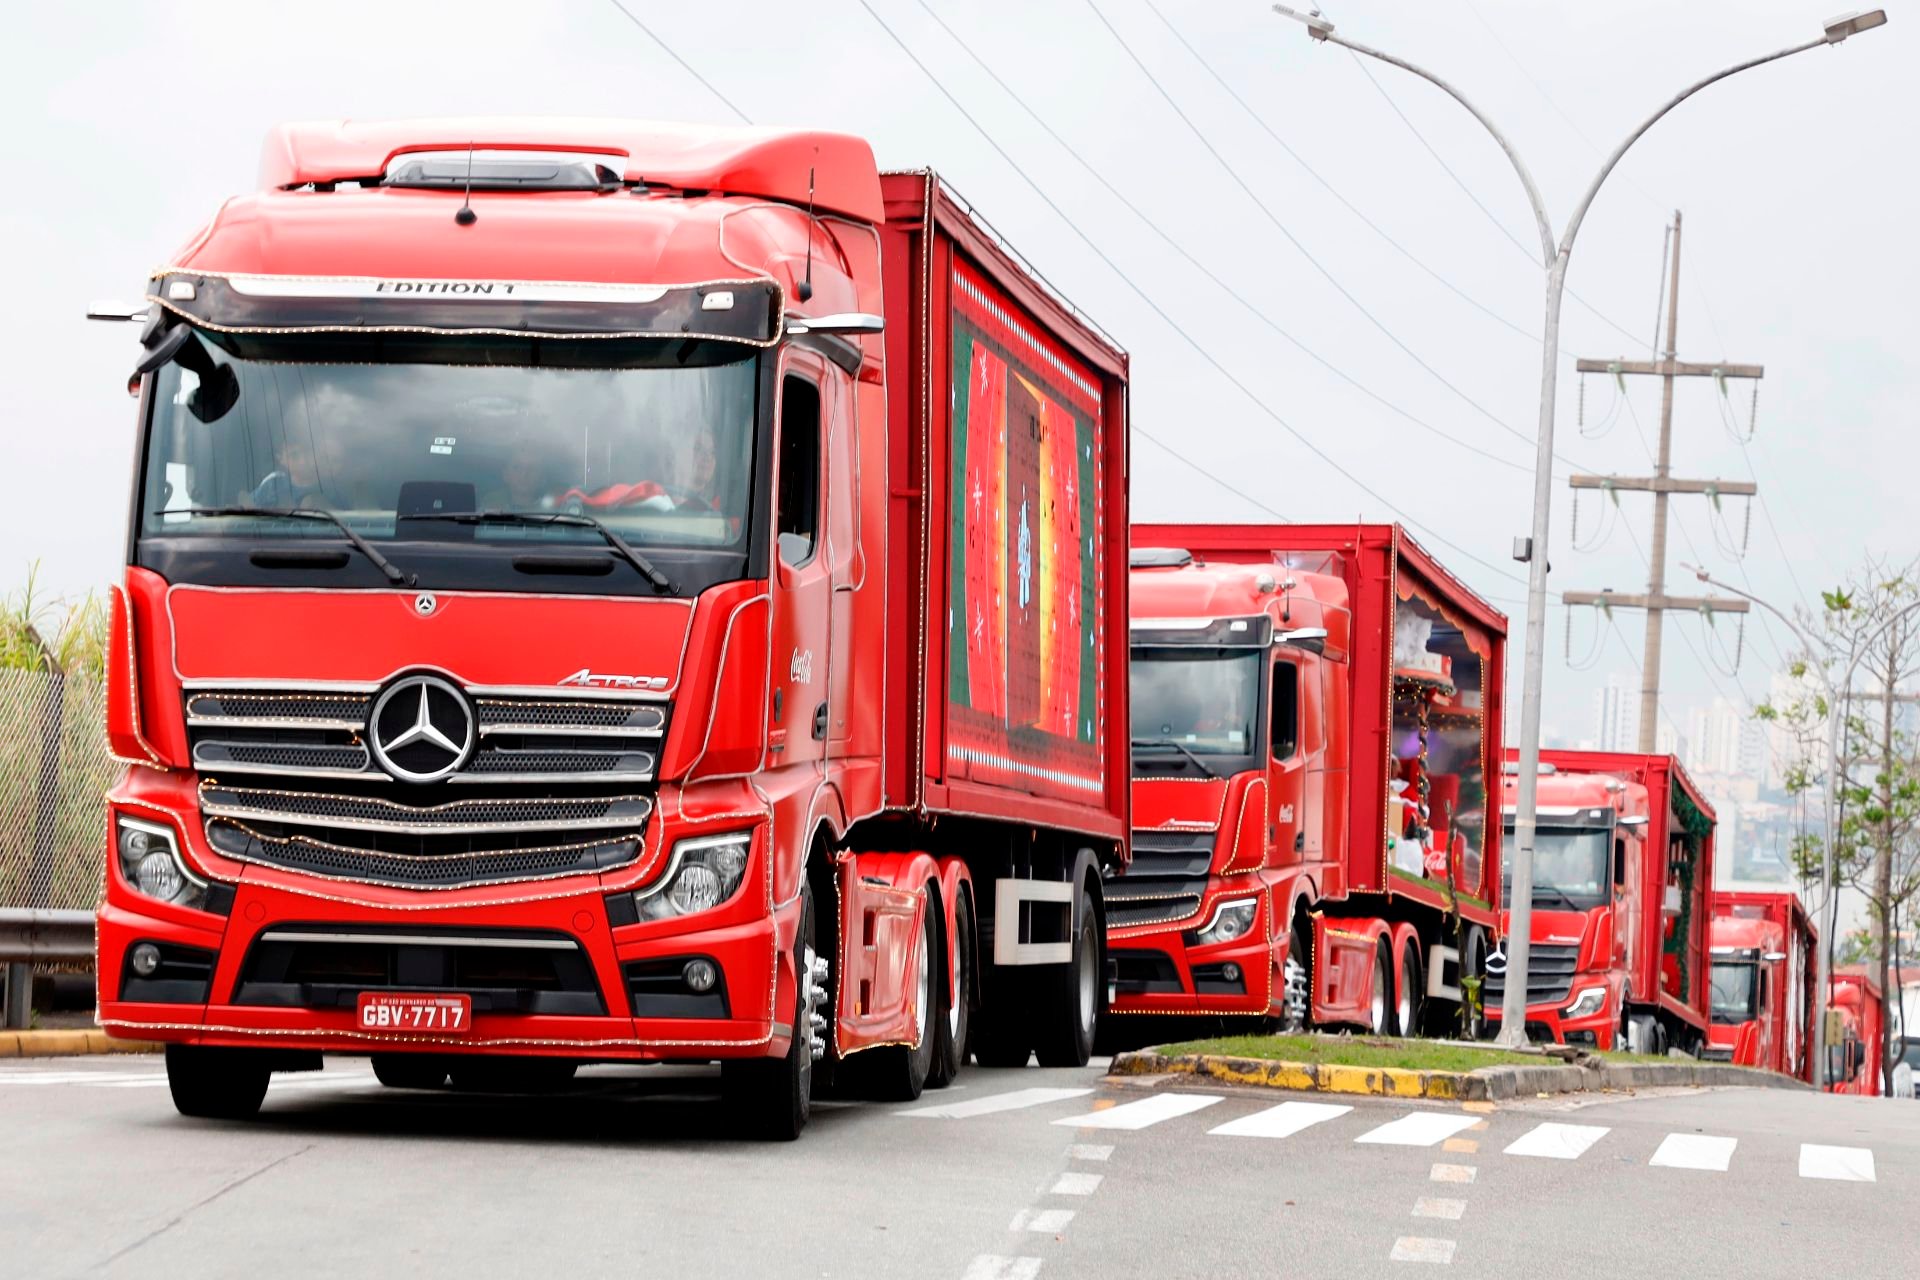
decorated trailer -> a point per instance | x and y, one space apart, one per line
601 590
1316 712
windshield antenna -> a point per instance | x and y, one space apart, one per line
466 217
804 289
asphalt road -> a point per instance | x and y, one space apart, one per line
1015 1174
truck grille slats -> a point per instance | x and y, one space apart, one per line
427 871
475 815
286 757
1132 899
1550 971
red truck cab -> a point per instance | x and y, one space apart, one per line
1764 966
1856 1034
1622 877
549 629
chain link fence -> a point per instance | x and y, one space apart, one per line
54 772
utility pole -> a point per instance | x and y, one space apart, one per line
1661 484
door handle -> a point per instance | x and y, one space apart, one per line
820 723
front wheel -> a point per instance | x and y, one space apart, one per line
1296 972
774 1096
1069 1004
216 1084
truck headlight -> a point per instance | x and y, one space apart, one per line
1230 920
703 873
1589 1001
150 862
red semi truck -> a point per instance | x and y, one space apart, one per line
1316 708
1622 900
1765 971
601 590
1856 1033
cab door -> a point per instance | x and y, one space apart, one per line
1286 765
801 576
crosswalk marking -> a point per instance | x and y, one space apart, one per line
1556 1141
1075 1184
1421 1249
1282 1121
1147 1111
991 1266
1045 1221
1417 1129
1840 1164
1435 1207
1695 1151
1016 1100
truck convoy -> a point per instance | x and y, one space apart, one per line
1765 975
612 591
1622 885
1856 1033
1316 710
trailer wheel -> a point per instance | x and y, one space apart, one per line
1069 1003
898 1072
216 1084
950 1050
1380 1008
1406 1009
410 1070
774 1096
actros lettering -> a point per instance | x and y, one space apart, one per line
586 678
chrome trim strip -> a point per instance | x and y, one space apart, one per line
483 779
295 818
272 722
571 731
282 770
282 686
421 939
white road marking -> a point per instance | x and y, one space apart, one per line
1695 1151
1421 1249
1841 1164
991 1266
1419 1129
1048 1221
1087 1151
1075 1184
1557 1141
1430 1207
76 1077
1015 1100
1453 1173
1147 1111
1282 1121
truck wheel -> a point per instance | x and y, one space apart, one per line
1069 1002
774 1096
1297 974
216 1084
999 1034
1406 1009
1380 1008
410 1070
950 1049
1474 964
898 1072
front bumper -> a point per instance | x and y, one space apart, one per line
1157 970
1548 1023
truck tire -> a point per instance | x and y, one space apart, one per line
1380 1008
898 1072
950 1049
410 1070
1069 999
773 1097
216 1084
1297 1013
1000 1033
1406 1009
1474 964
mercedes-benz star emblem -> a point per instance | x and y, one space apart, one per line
421 729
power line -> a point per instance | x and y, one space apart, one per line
1312 260
1172 242
684 64
1127 279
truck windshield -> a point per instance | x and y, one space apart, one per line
1201 700
1733 989
653 440
1569 867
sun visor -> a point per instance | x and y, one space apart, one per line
744 311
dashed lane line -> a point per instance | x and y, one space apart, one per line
991 1266
1557 1141
1282 1121
1840 1164
1146 1112
1417 1129
1088 1151
1453 1173
1421 1249
1695 1151
1461 1146
1046 1221
1438 1207
1075 1184
1016 1100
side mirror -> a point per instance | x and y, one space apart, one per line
841 323
121 311
1774 957
219 388
1312 639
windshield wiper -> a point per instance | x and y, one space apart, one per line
360 544
661 582
1198 763
1561 894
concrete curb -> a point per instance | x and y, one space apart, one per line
67 1044
1485 1084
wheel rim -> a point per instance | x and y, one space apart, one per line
920 1000
1085 983
958 987
803 1024
1379 997
1404 1010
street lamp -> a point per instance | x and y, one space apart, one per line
1533 550
1839 700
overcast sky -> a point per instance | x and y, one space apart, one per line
133 121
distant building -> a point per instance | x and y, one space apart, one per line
1616 716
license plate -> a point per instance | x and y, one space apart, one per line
392 1011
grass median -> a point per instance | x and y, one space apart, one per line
1354 1051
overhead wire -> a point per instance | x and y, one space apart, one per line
1148 300
683 63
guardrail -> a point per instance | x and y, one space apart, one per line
28 934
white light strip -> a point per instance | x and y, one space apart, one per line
456 290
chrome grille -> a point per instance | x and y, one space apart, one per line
474 866
465 816
1550 971
291 757
527 715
